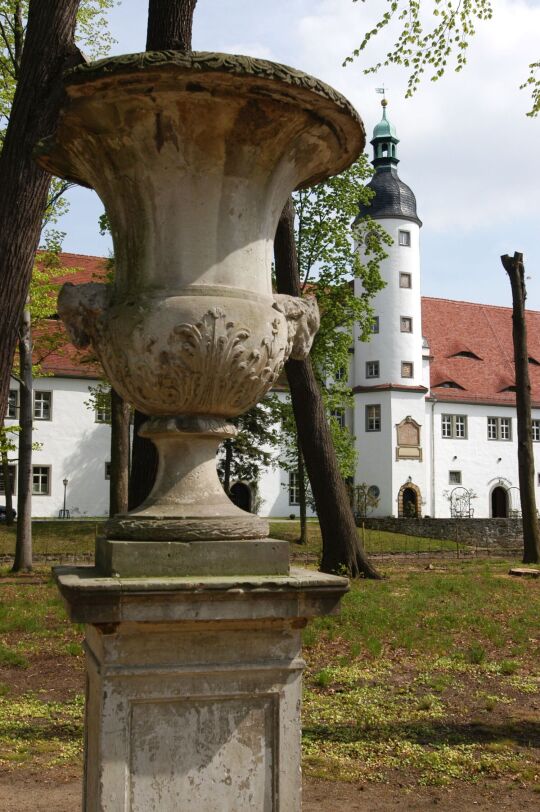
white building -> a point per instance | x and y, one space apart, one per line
434 393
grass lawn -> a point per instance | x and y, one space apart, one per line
65 539
427 678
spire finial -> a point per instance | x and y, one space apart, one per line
384 102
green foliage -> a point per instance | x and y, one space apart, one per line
253 448
432 37
328 264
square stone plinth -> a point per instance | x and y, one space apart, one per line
194 688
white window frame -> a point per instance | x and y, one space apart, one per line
12 412
372 369
373 417
45 472
454 478
499 428
102 414
375 325
294 489
339 417
404 238
454 426
535 430
107 470
42 398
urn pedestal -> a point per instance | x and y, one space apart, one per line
192 617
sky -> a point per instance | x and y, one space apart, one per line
467 148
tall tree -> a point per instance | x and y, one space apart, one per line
531 530
36 45
341 548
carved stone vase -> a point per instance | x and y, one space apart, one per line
194 157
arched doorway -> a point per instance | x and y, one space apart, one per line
241 496
499 503
410 503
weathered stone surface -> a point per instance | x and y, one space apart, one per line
194 688
194 156
134 559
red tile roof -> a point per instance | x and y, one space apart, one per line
68 361
452 327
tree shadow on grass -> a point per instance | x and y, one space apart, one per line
524 733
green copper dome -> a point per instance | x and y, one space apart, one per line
384 128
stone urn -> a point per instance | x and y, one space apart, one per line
194 156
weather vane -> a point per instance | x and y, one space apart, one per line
382 90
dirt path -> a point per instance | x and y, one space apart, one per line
19 793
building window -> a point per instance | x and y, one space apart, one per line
404 237
341 374
339 417
454 477
407 369
373 417
102 414
294 489
107 470
499 428
405 280
454 426
405 324
536 431
372 369
41 480
375 324
12 479
42 405
13 405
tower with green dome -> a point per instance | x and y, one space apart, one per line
390 373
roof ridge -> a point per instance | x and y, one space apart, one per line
474 304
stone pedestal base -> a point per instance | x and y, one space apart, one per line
194 688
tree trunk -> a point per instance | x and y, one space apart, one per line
301 474
170 25
531 531
120 417
227 467
144 464
341 546
49 48
23 544
8 490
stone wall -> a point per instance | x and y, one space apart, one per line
490 533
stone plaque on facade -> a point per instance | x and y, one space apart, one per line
408 440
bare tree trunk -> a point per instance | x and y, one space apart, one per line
341 546
301 474
531 531
227 467
49 48
120 416
170 25
8 490
23 543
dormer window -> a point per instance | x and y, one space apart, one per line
511 388
533 361
466 354
448 385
